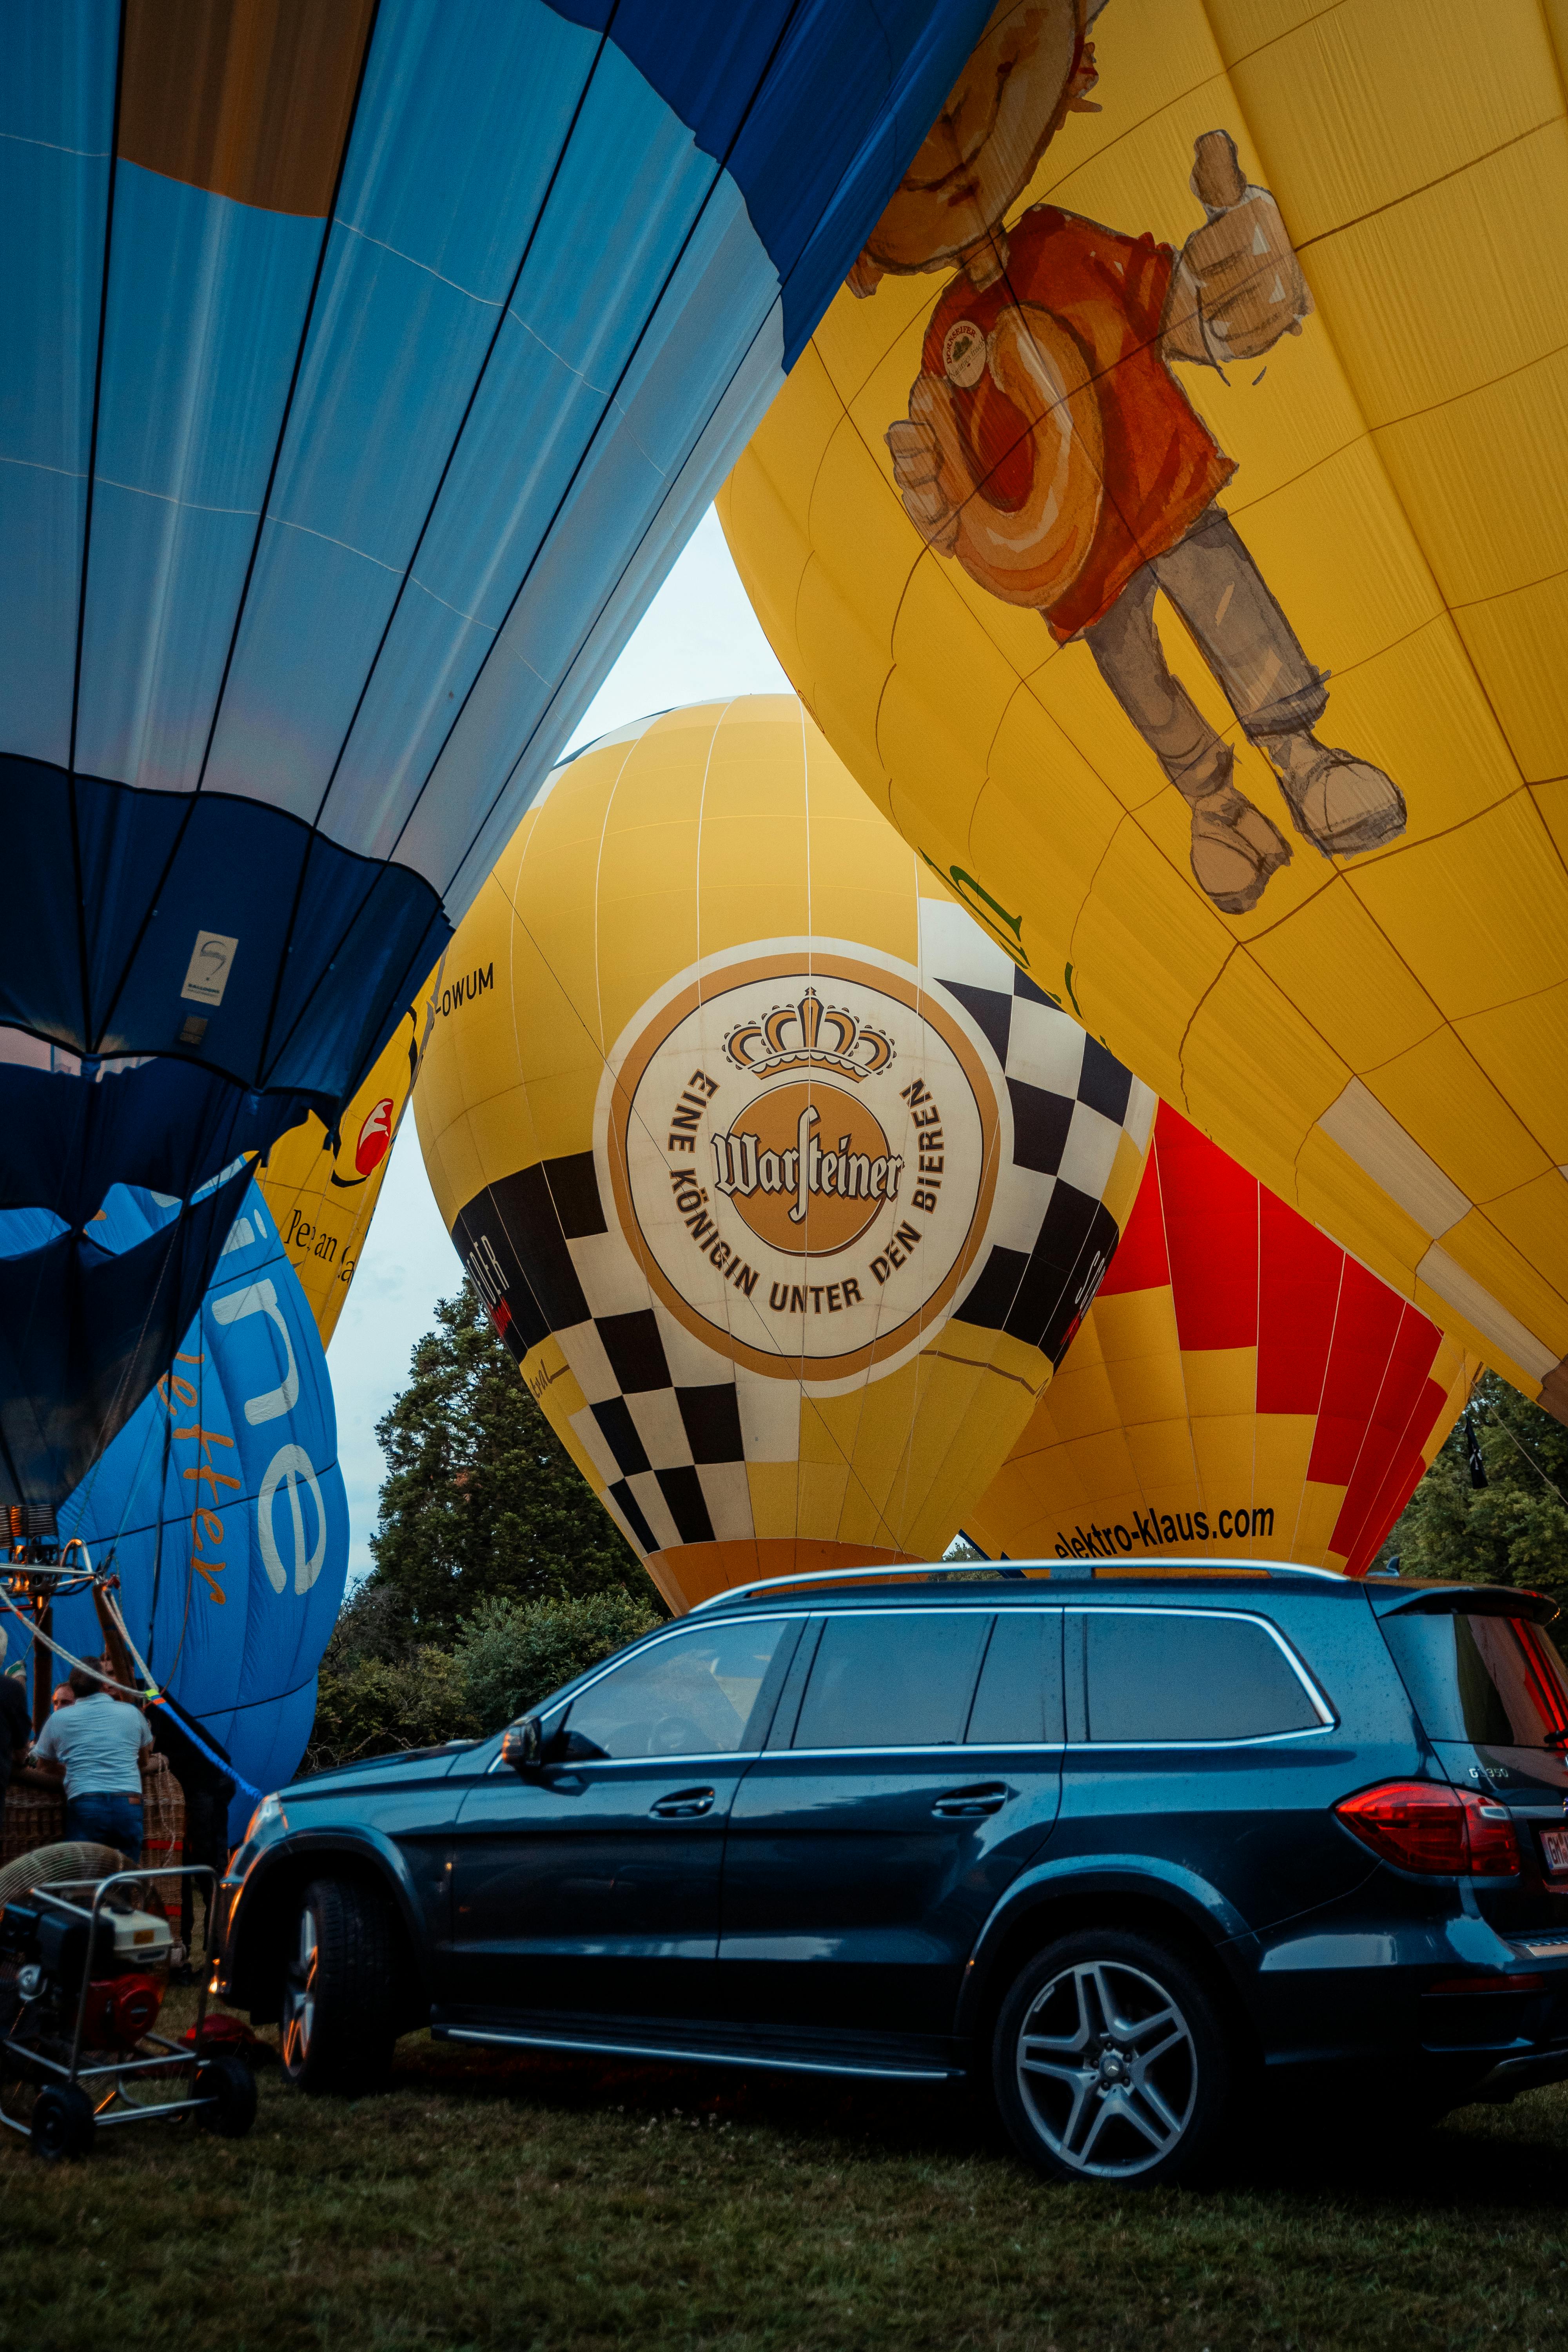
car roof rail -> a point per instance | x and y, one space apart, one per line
1009 1572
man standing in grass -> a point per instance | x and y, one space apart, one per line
97 1746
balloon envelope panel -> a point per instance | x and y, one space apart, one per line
786 1186
1262 760
222 1509
1240 1389
347 369
368 367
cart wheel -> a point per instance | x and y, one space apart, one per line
229 2084
62 2124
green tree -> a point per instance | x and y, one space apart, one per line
1513 1530
482 1500
509 1657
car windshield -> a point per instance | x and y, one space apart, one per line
1499 1682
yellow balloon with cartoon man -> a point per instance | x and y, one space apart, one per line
1167 525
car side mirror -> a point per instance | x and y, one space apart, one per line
523 1744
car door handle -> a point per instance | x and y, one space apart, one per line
970 1805
685 1805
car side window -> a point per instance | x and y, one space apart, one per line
695 1692
1168 1674
892 1679
1019 1700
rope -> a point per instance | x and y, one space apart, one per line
1498 1422
150 1697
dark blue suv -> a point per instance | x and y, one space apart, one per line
1122 1843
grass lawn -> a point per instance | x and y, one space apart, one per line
528 2203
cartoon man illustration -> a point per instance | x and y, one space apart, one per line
1049 448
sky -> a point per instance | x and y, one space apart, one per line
699 639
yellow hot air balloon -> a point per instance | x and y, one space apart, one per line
1168 525
783 1184
324 1198
1240 1388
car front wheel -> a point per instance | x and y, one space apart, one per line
1109 2062
338 2026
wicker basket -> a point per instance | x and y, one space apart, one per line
36 1817
33 1817
162 1827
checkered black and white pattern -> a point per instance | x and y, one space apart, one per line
1050 1237
662 1422
669 1422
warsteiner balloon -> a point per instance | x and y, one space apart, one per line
1240 1389
785 1185
1168 525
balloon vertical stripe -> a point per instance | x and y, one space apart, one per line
1240 1389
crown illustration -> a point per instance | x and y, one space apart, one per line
808 1032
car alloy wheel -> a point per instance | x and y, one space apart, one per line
299 1995
1108 2068
1109 2062
339 2009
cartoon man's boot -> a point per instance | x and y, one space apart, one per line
1342 805
1235 846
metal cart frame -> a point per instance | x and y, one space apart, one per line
153 2054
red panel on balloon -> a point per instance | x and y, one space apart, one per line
1299 1301
1206 1195
1141 1262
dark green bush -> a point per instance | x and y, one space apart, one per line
510 1655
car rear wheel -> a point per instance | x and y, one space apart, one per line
338 2025
1109 2062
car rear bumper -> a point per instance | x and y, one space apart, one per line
1447 1999
1530 2071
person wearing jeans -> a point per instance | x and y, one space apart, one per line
98 1745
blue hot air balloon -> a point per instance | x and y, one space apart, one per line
220 1505
367 366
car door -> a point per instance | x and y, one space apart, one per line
591 1885
1197 1741
913 1765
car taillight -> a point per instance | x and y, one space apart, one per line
1420 1825
1455 1987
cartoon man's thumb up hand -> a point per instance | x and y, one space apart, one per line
923 471
1238 287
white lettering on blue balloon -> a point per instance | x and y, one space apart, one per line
290 1467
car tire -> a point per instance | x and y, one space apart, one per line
1109 2062
338 2022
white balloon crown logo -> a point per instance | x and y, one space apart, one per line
806 1188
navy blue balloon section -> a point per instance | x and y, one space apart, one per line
221 1507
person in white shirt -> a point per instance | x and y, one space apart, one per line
97 1745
